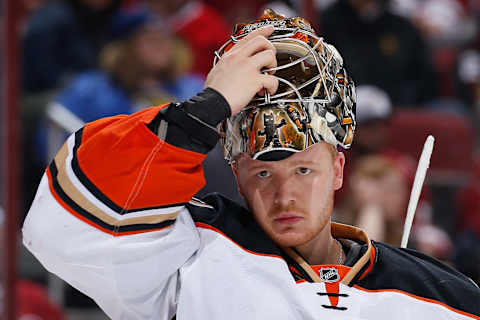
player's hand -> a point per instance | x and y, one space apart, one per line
238 73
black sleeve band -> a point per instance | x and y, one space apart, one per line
197 129
209 106
192 124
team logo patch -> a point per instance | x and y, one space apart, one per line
329 275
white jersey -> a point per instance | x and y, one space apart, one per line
114 217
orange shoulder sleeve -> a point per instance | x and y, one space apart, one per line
121 160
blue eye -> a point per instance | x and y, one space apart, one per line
303 171
264 174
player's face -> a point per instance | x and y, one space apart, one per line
292 199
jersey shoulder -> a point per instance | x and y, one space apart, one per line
420 275
218 213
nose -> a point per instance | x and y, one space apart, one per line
285 191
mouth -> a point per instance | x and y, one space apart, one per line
288 219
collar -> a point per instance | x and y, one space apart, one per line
358 270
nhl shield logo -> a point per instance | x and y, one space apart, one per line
329 275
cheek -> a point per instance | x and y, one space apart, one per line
257 201
258 206
317 192
321 183
255 193
257 196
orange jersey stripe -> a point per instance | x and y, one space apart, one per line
206 226
419 298
372 261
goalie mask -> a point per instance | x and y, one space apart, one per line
315 100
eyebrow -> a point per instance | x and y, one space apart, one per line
304 163
257 166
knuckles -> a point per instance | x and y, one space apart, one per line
262 41
273 58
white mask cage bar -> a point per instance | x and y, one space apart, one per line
327 58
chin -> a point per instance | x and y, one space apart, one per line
290 240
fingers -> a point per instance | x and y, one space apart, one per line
256 45
264 31
264 60
269 83
255 41
239 74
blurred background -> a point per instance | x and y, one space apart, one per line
416 64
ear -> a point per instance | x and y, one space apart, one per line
338 166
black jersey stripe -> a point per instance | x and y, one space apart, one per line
428 278
99 194
238 224
93 219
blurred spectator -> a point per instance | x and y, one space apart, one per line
33 303
200 25
447 27
382 49
283 7
467 244
239 11
374 109
378 180
368 157
30 6
427 236
321 5
405 8
61 38
443 22
467 248
474 6
376 199
468 201
468 76
64 37
145 66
